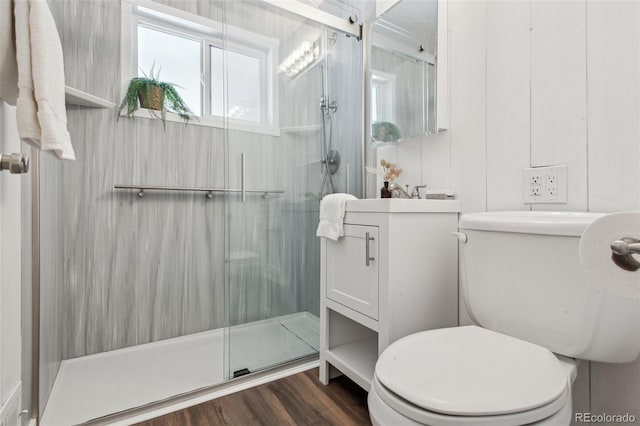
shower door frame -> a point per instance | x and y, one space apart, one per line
351 26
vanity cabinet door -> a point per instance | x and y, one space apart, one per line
352 269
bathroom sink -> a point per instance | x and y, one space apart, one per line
403 205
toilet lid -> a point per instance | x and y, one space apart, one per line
471 371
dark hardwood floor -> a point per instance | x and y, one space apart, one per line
295 400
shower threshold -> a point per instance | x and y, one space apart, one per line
97 385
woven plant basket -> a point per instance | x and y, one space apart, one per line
152 98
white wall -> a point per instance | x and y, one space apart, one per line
537 83
10 270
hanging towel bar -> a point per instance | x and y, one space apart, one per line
209 191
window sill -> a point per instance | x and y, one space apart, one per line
215 122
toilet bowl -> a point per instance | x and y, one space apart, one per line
538 313
470 376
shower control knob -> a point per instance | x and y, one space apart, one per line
15 163
333 161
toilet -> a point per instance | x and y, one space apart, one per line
538 314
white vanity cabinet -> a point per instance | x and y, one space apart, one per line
395 272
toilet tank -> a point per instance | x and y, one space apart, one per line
521 276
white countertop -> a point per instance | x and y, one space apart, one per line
403 205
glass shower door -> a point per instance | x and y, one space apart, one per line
293 135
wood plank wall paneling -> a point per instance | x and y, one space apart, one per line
467 23
508 102
295 400
559 95
613 61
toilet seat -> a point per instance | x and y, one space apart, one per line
466 373
386 408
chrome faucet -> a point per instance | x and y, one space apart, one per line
398 191
416 191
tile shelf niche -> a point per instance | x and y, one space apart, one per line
78 97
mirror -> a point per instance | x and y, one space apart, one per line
403 71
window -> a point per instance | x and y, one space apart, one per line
177 58
229 81
243 82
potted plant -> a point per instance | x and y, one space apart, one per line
157 96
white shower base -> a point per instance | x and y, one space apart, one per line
97 385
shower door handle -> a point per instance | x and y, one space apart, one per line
243 178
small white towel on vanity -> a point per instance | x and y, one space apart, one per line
40 106
332 210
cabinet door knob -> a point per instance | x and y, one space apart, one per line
368 257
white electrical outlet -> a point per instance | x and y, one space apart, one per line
551 184
535 187
545 184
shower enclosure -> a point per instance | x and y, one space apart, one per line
174 259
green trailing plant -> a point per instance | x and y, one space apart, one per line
142 89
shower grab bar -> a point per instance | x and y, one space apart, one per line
209 191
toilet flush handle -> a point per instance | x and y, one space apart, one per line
461 236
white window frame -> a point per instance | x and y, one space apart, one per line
181 23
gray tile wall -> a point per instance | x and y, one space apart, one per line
51 274
140 270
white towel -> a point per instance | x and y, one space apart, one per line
41 111
27 110
8 64
332 210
